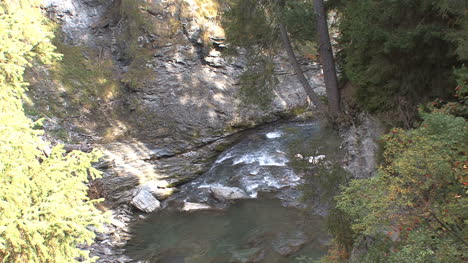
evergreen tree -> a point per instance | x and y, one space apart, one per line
400 53
43 204
326 57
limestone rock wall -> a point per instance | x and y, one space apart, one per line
178 102
361 147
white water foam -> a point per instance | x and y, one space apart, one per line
295 178
252 188
246 158
254 171
263 159
268 160
254 194
272 182
224 157
273 135
202 186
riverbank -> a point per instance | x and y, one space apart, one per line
359 145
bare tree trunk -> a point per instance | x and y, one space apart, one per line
297 69
326 57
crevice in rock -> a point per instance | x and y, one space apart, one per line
195 42
193 149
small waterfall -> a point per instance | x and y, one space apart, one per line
207 222
259 163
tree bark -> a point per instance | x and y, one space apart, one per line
297 69
326 57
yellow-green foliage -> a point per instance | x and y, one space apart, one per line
22 38
208 14
208 9
43 205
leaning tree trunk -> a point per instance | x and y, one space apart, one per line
297 69
326 57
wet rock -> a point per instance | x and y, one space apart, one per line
107 251
188 206
124 259
161 152
145 202
116 189
113 237
286 244
118 223
223 193
249 255
291 197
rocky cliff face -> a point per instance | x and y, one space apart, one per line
175 99
360 143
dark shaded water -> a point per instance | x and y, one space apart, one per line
271 227
246 230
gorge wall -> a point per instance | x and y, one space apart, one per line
147 83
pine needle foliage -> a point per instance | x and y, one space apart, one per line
416 207
254 24
401 53
257 84
44 210
251 24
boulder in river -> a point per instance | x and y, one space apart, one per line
288 243
145 201
249 255
223 193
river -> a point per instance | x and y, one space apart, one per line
276 219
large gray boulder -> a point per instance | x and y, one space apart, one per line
226 193
145 202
